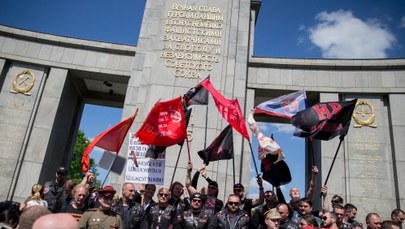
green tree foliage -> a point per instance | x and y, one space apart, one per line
75 171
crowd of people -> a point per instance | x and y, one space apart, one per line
63 204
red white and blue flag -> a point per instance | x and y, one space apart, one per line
285 106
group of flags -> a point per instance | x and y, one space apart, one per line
166 125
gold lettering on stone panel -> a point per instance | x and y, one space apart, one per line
192 39
23 82
364 114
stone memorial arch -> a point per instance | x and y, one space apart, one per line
45 81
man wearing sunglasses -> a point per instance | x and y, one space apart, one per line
53 190
329 221
160 214
232 216
195 217
212 204
246 203
103 217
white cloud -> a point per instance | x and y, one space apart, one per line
402 25
341 35
284 128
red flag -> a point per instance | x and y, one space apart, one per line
229 109
110 140
165 124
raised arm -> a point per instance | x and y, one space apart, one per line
260 200
312 183
190 188
325 204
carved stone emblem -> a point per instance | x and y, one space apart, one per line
364 114
23 82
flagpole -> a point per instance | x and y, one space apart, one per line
253 157
109 169
334 158
175 167
188 149
311 149
233 170
206 127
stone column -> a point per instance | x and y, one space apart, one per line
179 45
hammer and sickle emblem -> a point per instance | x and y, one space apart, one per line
23 82
364 114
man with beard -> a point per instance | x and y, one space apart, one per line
246 203
339 211
53 190
397 216
131 212
195 217
175 200
305 208
103 217
329 220
160 214
270 201
350 214
212 204
78 205
232 216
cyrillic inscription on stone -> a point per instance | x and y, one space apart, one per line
192 39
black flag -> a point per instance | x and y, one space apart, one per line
220 149
197 95
324 121
275 173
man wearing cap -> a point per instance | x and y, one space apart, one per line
212 204
53 190
103 217
272 219
246 203
195 217
232 216
160 214
131 212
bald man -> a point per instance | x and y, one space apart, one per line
29 215
56 221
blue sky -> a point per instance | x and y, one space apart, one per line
285 28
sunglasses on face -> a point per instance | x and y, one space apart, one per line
324 218
212 187
60 174
164 194
238 190
234 203
197 201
